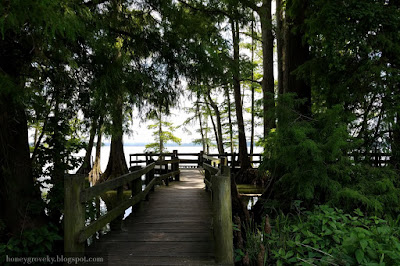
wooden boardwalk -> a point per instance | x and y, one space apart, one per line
172 228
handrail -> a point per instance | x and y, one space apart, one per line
218 181
163 162
214 159
162 177
213 170
114 213
76 196
97 189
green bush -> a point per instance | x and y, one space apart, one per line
328 236
308 159
31 243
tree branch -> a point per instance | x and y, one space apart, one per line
251 5
251 80
205 10
248 34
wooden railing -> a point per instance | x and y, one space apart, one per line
195 161
218 180
76 196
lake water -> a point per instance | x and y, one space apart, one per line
105 152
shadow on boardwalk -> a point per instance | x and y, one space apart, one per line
173 228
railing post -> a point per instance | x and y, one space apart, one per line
116 224
200 159
222 211
226 156
74 215
207 176
233 163
136 190
176 165
223 162
165 172
149 176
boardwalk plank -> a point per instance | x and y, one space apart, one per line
172 228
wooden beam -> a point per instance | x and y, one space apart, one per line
74 214
167 161
222 212
162 177
208 184
96 190
213 170
114 213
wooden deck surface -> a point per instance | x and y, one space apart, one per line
172 228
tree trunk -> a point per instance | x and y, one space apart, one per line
230 120
17 192
298 54
243 155
220 142
95 173
213 123
395 160
285 60
268 65
116 163
86 167
279 43
252 90
203 141
160 133
56 201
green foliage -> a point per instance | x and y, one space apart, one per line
163 132
327 236
38 242
355 55
308 158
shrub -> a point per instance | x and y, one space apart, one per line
328 236
38 242
308 159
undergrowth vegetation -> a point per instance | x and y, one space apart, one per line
310 160
349 206
323 236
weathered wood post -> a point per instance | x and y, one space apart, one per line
222 212
74 214
176 165
207 176
116 224
136 190
226 156
149 176
233 163
200 159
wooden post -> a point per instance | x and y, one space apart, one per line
223 162
233 163
207 176
136 190
149 176
116 224
200 159
222 221
74 215
165 172
176 165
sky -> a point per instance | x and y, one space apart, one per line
141 134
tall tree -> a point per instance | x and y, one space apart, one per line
30 35
297 52
219 136
264 11
243 154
